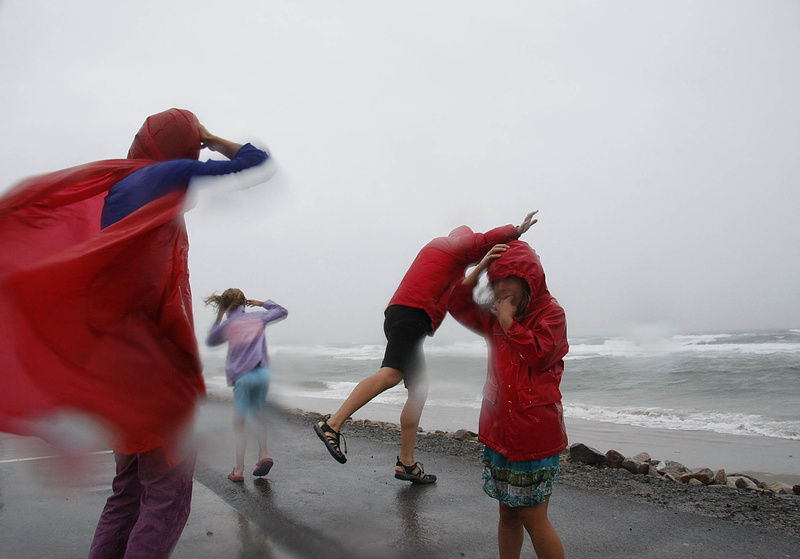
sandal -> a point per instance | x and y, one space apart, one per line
331 439
263 467
414 474
233 477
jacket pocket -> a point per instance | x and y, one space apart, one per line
538 396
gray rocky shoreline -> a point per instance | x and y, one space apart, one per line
753 505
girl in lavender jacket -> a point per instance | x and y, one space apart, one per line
246 367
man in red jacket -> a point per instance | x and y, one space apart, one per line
416 310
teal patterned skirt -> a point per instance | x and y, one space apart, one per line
519 484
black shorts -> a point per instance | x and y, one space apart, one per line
405 329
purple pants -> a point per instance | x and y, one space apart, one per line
145 515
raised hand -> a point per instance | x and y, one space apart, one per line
215 143
527 223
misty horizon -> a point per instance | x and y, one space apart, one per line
657 141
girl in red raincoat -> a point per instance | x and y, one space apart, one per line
521 421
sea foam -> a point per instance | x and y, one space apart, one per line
684 420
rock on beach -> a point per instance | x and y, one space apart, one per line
643 465
580 452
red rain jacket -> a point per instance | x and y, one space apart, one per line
521 415
99 321
440 264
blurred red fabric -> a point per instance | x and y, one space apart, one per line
98 321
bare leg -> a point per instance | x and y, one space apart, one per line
261 435
510 533
544 537
365 391
409 421
241 443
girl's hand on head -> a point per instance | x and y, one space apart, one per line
493 254
526 223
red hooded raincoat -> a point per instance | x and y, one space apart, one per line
99 321
521 415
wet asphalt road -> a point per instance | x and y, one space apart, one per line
312 507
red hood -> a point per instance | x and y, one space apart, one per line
522 261
172 134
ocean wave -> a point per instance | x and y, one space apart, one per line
683 420
609 348
701 345
775 348
375 351
361 352
640 416
397 396
339 391
459 349
694 339
775 343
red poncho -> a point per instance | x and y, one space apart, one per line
95 321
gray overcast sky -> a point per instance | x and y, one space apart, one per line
659 140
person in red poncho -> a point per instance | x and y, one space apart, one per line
416 310
97 321
521 421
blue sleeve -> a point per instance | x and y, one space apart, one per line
159 179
